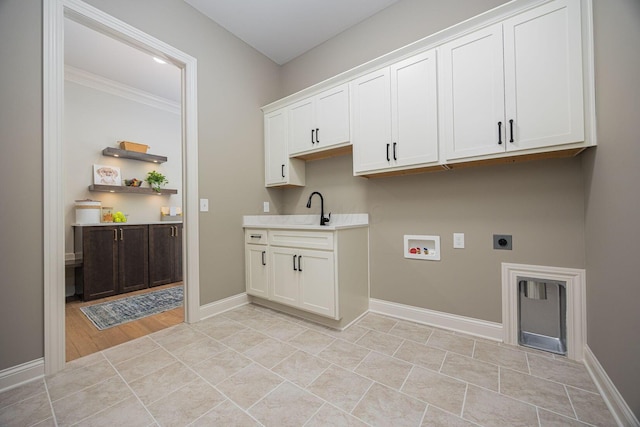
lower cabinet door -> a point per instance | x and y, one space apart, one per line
161 254
100 262
284 275
257 275
133 255
317 283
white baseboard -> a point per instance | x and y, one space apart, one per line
223 305
612 397
20 374
467 325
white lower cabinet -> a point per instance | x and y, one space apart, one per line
304 279
300 269
256 270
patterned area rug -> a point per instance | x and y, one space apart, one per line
108 314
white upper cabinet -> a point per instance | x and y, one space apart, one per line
516 85
279 169
395 116
472 94
543 76
320 122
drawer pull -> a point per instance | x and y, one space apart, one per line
256 236
511 130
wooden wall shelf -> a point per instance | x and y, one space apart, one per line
132 190
134 155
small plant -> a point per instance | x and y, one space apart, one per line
156 180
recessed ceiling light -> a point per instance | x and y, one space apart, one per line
159 61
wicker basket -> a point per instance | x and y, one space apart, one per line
133 146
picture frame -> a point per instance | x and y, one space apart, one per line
106 175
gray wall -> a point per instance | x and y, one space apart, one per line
539 203
612 199
21 305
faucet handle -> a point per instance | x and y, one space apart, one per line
326 219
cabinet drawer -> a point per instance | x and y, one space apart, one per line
302 239
255 236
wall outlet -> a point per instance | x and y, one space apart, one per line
265 207
458 240
204 205
502 241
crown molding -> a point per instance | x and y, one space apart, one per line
94 81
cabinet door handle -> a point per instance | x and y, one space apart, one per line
115 234
171 230
264 261
317 135
499 133
394 151
283 171
312 141
294 263
299 265
121 234
511 130
388 159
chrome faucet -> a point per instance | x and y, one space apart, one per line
323 220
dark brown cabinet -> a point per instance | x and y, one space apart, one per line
165 254
115 259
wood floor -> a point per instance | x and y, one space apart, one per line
83 338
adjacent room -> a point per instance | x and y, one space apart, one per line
374 212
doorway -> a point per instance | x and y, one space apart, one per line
116 92
53 185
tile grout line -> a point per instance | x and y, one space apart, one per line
464 400
53 413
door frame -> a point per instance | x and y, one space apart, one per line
54 12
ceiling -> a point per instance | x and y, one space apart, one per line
280 29
101 55
285 29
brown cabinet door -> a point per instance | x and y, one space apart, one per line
177 256
133 257
162 253
100 262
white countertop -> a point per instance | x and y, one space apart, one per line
305 222
125 223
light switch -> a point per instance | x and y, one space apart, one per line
204 205
458 240
265 207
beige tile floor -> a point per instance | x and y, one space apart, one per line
252 366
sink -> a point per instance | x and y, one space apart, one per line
305 222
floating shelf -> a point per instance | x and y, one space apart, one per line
133 190
126 154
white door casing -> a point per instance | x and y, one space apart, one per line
54 13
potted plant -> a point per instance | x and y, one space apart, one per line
156 180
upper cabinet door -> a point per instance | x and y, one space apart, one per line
275 140
279 169
472 93
414 107
543 76
332 117
320 122
371 120
302 126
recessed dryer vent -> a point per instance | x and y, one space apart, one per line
422 247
